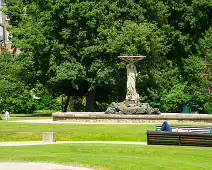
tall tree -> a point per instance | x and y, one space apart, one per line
14 93
179 80
73 45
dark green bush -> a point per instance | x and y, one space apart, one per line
208 107
46 101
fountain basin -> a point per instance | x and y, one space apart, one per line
101 117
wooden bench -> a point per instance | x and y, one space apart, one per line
196 129
178 138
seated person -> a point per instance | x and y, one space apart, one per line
165 127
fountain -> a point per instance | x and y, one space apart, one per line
131 104
131 110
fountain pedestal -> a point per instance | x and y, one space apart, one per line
131 104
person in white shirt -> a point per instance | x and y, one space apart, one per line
6 115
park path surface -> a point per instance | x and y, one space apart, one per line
38 166
67 142
49 121
51 166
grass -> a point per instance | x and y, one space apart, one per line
32 116
17 131
114 157
98 156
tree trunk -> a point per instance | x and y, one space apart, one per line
122 93
90 101
122 89
66 103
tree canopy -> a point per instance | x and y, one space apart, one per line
71 48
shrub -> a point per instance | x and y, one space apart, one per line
208 107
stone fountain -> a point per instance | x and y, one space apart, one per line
131 110
131 104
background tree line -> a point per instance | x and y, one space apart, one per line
70 48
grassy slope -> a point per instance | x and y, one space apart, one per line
16 131
115 157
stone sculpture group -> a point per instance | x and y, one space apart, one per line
131 104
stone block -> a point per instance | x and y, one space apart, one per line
122 106
49 137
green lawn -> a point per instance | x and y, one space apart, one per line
33 116
114 157
16 131
98 156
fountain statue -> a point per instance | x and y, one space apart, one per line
131 104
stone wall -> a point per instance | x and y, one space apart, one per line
100 117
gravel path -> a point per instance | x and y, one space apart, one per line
37 166
49 121
67 142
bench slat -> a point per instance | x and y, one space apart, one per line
197 129
178 138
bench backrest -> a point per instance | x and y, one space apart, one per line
178 138
197 129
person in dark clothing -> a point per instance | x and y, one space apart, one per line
165 127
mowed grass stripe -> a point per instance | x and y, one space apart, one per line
16 131
115 157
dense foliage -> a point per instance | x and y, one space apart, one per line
16 95
70 48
